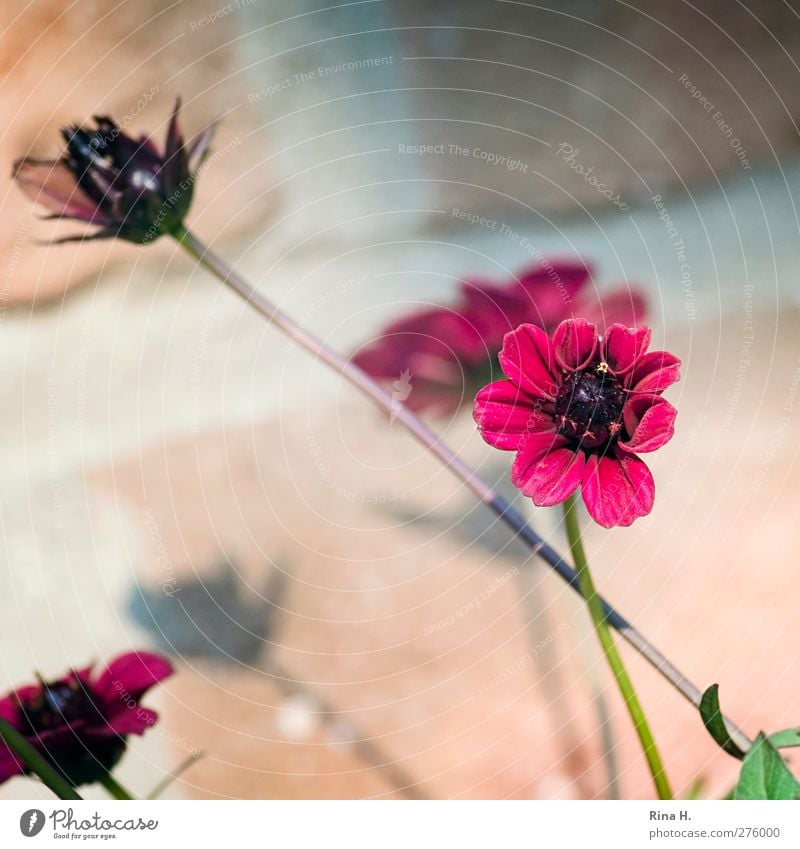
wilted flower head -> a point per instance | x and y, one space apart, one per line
450 352
80 722
577 409
125 186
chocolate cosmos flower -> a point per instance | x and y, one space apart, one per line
577 409
448 353
80 722
125 186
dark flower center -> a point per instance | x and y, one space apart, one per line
106 161
588 407
59 703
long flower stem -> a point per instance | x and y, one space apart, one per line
114 788
35 762
490 497
613 657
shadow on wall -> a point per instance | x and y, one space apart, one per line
219 617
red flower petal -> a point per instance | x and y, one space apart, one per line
131 675
531 449
504 413
53 185
617 489
494 309
624 346
527 360
9 765
174 140
176 162
655 372
546 297
650 420
460 335
566 274
551 477
574 343
23 694
198 148
432 335
8 710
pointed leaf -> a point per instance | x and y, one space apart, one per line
764 774
715 724
785 739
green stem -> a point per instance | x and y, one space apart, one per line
35 762
114 788
613 657
182 767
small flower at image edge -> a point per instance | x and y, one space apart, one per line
578 408
449 352
81 722
124 186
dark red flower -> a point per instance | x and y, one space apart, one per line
448 353
577 409
81 722
125 186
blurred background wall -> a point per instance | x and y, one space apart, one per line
371 155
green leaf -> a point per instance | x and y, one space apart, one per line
715 724
764 775
785 739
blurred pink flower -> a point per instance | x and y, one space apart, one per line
577 409
80 722
448 353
